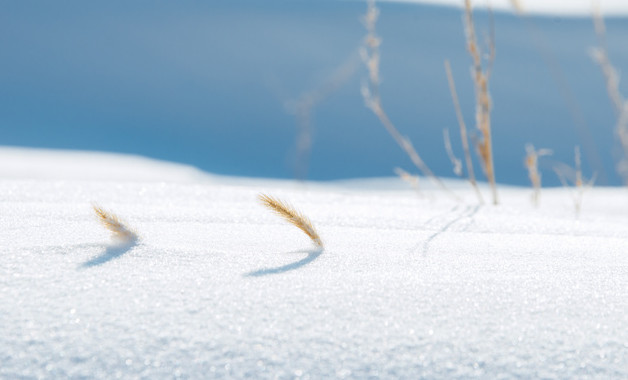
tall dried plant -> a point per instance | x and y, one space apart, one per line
532 164
578 181
611 78
370 92
481 73
463 131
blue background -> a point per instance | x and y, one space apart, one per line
211 84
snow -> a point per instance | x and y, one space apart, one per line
540 7
217 286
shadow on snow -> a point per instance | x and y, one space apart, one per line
110 253
312 255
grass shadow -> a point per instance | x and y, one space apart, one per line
468 213
312 255
110 253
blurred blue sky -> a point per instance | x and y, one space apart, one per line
211 84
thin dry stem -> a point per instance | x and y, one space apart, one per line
481 77
579 183
532 164
600 55
463 131
111 222
411 179
294 217
612 78
569 98
455 161
371 94
304 106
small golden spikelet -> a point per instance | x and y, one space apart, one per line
111 222
293 216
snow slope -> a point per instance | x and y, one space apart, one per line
217 286
571 8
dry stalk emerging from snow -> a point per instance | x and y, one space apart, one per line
119 230
303 109
620 104
481 76
463 131
532 164
294 217
579 184
370 92
410 179
455 161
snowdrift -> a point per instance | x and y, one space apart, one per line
216 286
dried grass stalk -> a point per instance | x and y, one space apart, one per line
410 179
119 230
294 217
578 181
370 92
481 76
455 161
303 108
611 77
463 131
532 164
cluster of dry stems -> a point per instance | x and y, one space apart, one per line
480 74
620 104
370 92
481 71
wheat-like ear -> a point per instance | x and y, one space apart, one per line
294 217
111 222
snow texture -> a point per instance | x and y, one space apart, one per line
540 7
218 287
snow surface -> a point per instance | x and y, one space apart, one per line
406 287
541 7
